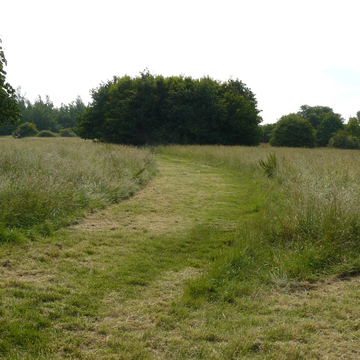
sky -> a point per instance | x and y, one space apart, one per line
289 53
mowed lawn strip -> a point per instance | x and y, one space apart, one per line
111 287
70 294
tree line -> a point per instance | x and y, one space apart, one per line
314 126
150 109
43 115
18 113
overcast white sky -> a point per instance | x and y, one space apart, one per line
288 52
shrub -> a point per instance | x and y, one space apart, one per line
293 131
67 133
27 129
46 133
342 140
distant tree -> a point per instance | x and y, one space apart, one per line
43 114
293 131
358 116
353 127
266 132
156 110
9 110
66 115
328 127
314 114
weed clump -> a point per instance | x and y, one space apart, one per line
270 165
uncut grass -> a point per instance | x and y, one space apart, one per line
306 226
48 183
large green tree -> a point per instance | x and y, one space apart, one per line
9 110
293 131
328 127
155 110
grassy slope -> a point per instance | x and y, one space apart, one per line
112 286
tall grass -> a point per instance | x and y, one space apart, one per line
307 226
47 183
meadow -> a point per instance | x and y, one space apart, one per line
46 184
308 221
178 252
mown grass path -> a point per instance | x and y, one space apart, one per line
111 286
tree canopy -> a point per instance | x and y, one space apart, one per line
328 127
152 109
293 131
9 111
314 114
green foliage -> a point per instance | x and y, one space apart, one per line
267 132
9 110
293 131
270 165
44 114
353 127
314 114
46 133
67 133
27 129
156 110
328 127
343 140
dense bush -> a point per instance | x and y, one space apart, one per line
27 129
343 140
66 133
327 128
182 110
293 131
46 133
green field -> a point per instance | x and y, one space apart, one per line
178 252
